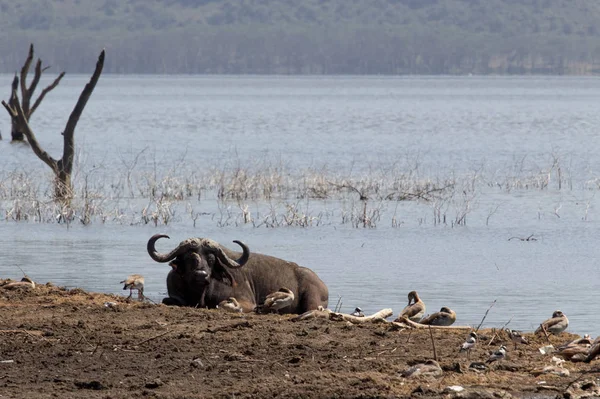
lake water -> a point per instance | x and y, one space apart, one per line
501 138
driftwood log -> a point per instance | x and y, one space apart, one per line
411 324
378 317
335 316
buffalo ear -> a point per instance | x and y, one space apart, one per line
222 274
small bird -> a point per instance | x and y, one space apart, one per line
573 352
445 317
429 368
357 312
500 354
516 337
594 351
134 282
586 340
230 305
25 282
415 309
469 344
277 301
555 325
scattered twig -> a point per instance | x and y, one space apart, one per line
545 333
496 332
530 238
154 337
338 306
485 315
433 344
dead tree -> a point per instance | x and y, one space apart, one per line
63 167
17 128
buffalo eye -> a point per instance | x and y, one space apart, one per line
211 259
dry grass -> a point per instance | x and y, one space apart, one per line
273 195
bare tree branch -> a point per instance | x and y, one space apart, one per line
36 79
17 110
25 71
38 101
69 133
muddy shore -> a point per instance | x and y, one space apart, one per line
59 343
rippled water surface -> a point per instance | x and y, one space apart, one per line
492 128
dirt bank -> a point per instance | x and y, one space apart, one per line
69 344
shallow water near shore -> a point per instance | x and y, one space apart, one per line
352 125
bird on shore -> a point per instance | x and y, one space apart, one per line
469 344
357 312
415 309
586 340
25 282
134 282
594 351
516 337
429 368
500 354
230 305
277 301
445 317
554 325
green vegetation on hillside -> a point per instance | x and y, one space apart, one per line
307 36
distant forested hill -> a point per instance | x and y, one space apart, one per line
306 36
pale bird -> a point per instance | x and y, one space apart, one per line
555 325
415 309
516 337
357 312
277 301
500 354
134 282
429 368
25 282
445 317
230 305
469 344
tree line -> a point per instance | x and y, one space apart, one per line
307 37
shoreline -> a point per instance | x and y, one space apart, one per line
72 343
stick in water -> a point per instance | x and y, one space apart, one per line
485 315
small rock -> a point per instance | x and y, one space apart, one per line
93 385
544 350
154 384
454 388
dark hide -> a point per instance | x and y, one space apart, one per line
200 279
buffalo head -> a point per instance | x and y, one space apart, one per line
195 262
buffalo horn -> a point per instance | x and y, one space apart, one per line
162 258
234 264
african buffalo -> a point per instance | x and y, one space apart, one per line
205 273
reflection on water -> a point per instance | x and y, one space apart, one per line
447 125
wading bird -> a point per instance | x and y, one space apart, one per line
445 317
500 354
277 301
555 325
134 282
415 309
469 344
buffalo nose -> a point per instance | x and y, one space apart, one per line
203 273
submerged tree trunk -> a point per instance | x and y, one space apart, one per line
63 167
